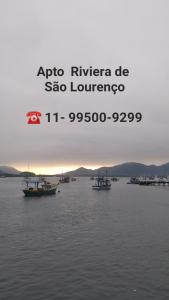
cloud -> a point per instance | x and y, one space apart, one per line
91 33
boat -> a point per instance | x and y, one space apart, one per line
154 181
64 179
115 179
73 179
101 183
134 180
39 187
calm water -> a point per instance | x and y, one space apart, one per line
84 244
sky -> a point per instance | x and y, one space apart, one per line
101 34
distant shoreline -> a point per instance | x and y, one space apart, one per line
128 169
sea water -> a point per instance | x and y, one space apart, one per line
84 244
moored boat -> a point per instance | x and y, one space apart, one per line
64 179
40 187
134 180
101 183
73 179
115 179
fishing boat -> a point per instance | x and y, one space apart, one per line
39 187
101 183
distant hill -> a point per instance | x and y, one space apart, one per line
126 169
129 169
9 170
81 172
27 174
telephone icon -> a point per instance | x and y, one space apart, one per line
33 117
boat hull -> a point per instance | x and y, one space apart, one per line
39 193
99 188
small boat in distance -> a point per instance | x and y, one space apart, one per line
73 179
39 187
134 180
101 183
64 179
115 179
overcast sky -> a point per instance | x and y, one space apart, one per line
95 33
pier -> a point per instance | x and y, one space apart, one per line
153 182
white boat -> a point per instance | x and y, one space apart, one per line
101 183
